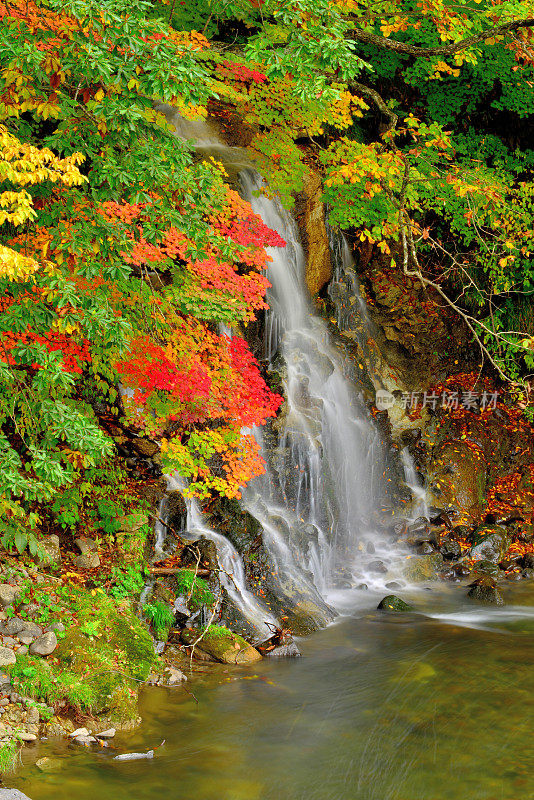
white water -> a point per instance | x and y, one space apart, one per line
232 574
323 502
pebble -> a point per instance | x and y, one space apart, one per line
8 594
7 657
80 732
84 740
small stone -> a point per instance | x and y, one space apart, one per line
51 547
485 591
7 657
44 645
32 716
86 545
8 641
4 701
109 734
394 585
8 594
22 650
27 737
26 638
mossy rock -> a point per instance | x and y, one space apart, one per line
224 645
490 543
132 637
423 568
393 603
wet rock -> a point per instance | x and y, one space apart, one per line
456 476
527 574
44 645
394 585
48 764
487 568
490 543
12 794
284 651
423 568
450 549
8 594
393 603
85 741
461 532
425 548
146 447
174 676
485 591
528 561
377 566
224 646
7 657
514 576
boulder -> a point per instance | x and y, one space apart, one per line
25 736
44 645
8 594
132 522
450 549
48 764
109 734
485 591
12 794
393 603
13 626
223 645
490 543
7 657
51 547
87 561
423 568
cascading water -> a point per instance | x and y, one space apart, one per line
326 479
321 502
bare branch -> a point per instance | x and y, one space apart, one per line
443 50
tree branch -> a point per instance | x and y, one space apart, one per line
379 101
443 50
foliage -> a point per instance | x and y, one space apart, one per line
160 617
195 589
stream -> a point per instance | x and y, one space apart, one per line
434 706
430 705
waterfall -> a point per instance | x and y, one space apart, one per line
324 503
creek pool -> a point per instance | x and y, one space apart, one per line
428 706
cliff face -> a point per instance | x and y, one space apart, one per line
310 215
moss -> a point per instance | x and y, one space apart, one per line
132 637
187 583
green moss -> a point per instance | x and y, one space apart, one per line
193 587
160 616
8 755
130 636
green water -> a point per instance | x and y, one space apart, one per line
378 708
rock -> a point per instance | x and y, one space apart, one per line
377 566
393 603
56 627
32 716
12 794
146 447
456 475
48 764
490 543
86 545
51 547
85 741
175 676
7 657
8 594
394 585
23 650
8 641
284 651
27 737
450 549
13 626
424 549
44 645
528 561
423 568
109 734
224 646
527 574
310 214
87 561
80 732
485 591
